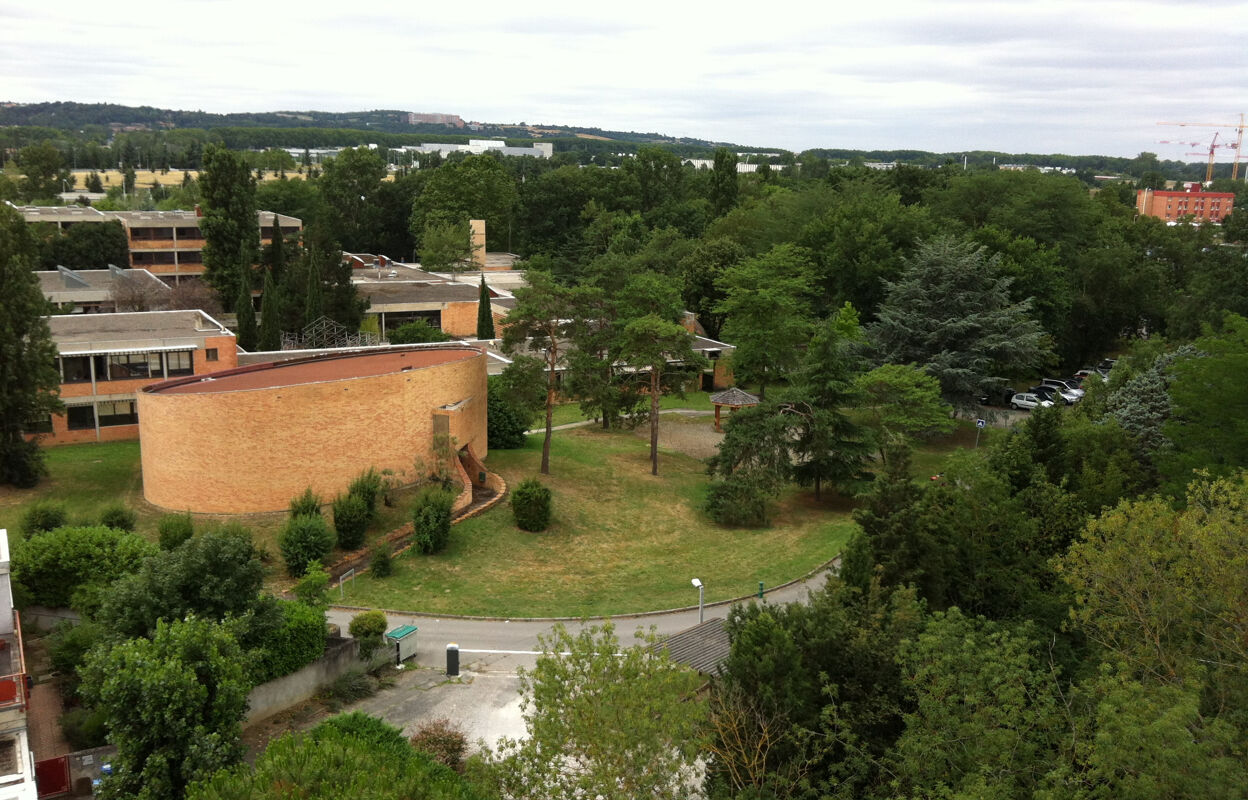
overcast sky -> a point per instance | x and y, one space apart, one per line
1040 76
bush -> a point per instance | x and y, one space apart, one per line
352 686
307 504
351 517
42 516
84 728
381 564
313 587
304 539
431 520
368 487
417 331
738 502
443 741
21 463
299 641
378 734
119 517
530 503
53 565
174 529
68 646
367 628
506 424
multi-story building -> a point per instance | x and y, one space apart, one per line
17 762
95 291
104 359
169 244
1173 206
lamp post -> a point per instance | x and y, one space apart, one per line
697 584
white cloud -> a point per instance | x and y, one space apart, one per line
1014 75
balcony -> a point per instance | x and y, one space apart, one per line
13 692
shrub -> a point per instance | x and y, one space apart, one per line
737 501
506 424
68 646
367 628
119 517
299 641
313 587
368 487
307 504
431 519
84 728
304 539
42 516
352 686
351 517
377 733
417 331
381 564
443 741
53 565
530 503
174 529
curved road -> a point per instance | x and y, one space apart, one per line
511 639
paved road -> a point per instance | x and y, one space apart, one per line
521 634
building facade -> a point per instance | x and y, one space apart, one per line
105 359
168 244
250 439
17 762
1173 206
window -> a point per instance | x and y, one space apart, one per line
179 363
129 366
118 412
210 354
80 418
76 369
42 425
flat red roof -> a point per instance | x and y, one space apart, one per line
319 369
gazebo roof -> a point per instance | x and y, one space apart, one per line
734 397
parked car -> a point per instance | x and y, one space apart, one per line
1065 387
998 397
1053 395
1026 401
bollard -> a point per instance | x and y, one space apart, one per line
452 660
760 590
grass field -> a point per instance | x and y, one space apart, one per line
566 413
621 541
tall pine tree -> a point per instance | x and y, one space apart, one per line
485 317
270 315
231 233
29 379
246 314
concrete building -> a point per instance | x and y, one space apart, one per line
250 439
105 359
95 291
17 762
479 146
1173 206
168 244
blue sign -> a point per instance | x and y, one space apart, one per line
981 423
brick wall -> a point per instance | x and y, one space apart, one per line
252 450
460 319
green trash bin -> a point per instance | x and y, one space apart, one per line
403 639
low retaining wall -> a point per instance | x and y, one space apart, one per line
341 656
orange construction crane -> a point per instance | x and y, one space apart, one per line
1213 146
1239 139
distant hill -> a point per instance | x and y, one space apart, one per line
69 116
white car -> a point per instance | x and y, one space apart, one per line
1064 388
1026 401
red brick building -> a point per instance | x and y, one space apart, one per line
1173 206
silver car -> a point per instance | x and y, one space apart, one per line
1026 401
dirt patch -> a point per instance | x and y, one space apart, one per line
695 437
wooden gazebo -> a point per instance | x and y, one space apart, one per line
733 398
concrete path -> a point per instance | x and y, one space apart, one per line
509 639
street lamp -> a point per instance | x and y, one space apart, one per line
697 584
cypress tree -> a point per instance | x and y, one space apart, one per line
270 315
485 317
246 313
313 303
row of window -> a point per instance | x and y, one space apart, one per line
127 366
111 413
147 257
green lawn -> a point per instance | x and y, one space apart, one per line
622 541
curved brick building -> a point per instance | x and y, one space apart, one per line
249 439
